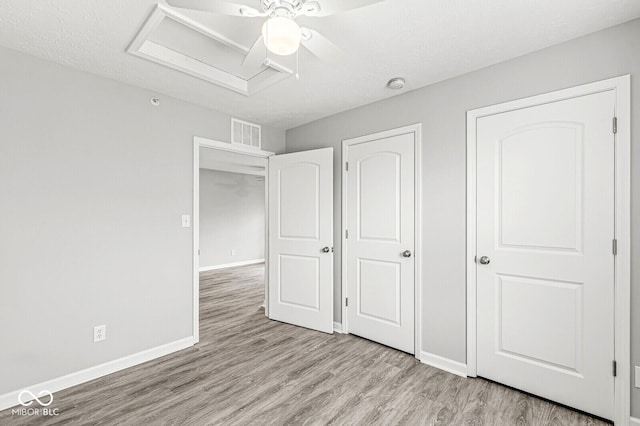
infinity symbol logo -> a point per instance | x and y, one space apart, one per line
28 399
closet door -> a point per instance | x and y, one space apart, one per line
545 264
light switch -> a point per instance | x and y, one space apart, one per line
186 221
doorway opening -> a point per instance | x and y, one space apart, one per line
230 222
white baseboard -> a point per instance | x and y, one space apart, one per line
337 327
10 399
634 421
446 364
231 265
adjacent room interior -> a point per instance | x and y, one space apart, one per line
319 212
232 209
231 226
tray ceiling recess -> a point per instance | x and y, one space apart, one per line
176 41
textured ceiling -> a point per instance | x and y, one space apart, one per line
425 41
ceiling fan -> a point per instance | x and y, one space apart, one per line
281 35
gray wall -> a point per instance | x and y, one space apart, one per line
441 108
93 181
232 216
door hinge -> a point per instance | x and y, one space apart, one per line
346 166
346 234
346 301
615 247
615 368
615 125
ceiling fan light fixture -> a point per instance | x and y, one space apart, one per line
281 35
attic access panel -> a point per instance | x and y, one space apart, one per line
176 41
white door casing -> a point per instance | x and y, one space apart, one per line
545 222
381 244
300 254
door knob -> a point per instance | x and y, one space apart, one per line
484 260
326 250
406 253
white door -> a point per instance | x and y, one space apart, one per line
380 243
545 224
301 239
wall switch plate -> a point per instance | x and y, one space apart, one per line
233 252
99 333
637 384
186 221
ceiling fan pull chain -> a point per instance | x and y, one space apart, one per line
266 43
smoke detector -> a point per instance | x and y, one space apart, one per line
396 83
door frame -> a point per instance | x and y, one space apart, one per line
200 142
622 277
416 129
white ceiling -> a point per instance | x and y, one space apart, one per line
425 41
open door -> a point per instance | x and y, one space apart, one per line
301 239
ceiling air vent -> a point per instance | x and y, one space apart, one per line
245 133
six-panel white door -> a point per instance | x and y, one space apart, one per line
545 271
301 239
380 244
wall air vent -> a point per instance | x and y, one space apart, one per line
245 133
177 41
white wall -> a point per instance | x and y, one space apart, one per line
93 181
441 108
232 217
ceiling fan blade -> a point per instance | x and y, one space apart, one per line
255 56
321 46
332 7
220 7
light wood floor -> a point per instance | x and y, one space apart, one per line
248 370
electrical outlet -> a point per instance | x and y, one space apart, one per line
637 376
233 252
99 333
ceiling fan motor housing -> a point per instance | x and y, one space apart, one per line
290 8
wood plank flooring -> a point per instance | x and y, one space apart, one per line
248 370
